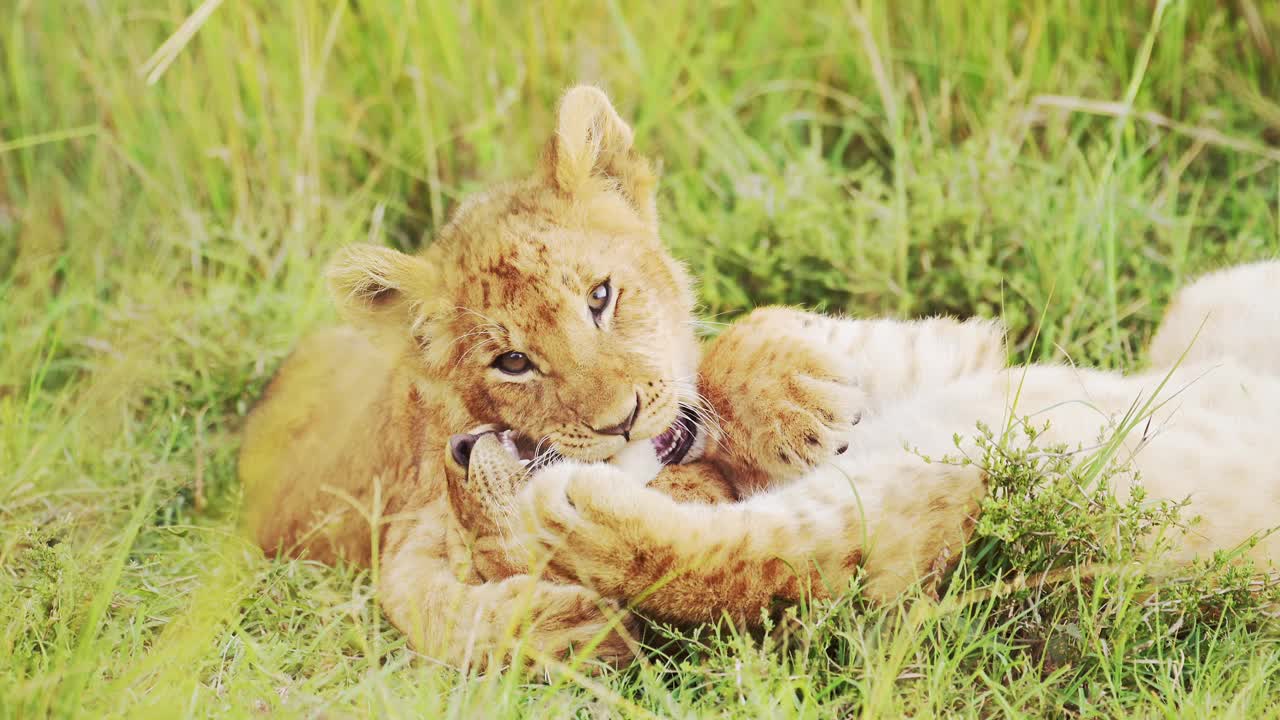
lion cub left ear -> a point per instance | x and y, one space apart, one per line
591 150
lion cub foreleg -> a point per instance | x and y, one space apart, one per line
901 520
787 385
684 562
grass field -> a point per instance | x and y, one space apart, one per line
174 174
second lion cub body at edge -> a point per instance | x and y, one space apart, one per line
1210 437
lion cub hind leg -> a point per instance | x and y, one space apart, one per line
485 626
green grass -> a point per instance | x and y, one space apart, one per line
166 207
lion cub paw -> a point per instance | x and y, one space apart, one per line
785 399
582 522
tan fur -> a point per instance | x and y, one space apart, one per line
901 519
342 457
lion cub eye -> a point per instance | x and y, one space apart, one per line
513 363
599 298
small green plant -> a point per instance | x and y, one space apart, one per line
1068 552
1047 509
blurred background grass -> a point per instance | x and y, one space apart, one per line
174 174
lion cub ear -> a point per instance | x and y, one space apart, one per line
380 289
591 150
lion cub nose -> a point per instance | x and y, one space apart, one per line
623 428
460 447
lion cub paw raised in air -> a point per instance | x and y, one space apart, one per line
785 399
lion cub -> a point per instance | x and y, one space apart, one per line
1204 432
540 306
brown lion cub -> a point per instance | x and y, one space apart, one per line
548 305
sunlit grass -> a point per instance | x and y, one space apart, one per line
173 174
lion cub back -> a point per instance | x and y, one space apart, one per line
329 390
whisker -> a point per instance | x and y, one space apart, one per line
508 511
468 311
712 427
543 458
710 419
706 416
706 327
704 407
478 330
537 447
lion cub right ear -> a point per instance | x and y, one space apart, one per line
380 289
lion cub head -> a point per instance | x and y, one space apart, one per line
548 305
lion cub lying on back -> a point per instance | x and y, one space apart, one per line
881 507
